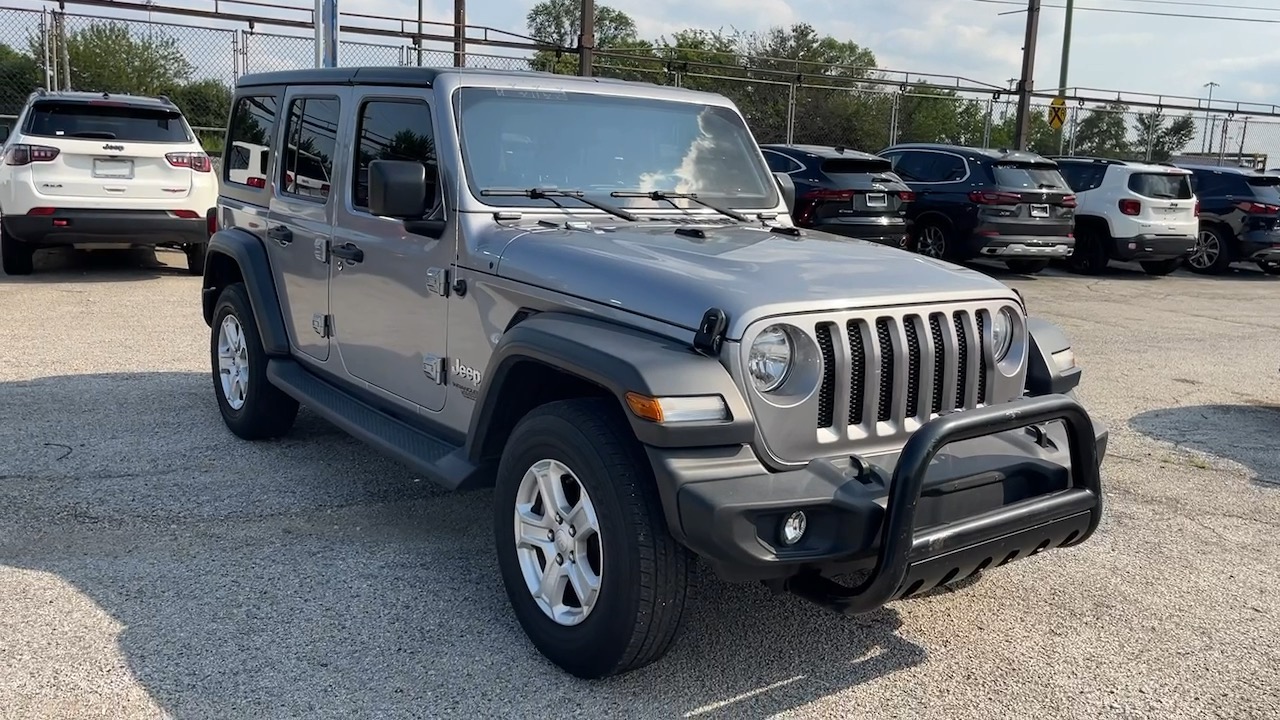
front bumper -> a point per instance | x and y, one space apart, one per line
919 518
1154 247
1024 246
105 227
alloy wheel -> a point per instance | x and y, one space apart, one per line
233 362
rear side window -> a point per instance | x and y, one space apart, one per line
253 126
851 170
1167 186
778 162
312 137
1029 176
105 120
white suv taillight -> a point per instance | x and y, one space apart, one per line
27 154
196 161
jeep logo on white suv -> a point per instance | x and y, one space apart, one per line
109 146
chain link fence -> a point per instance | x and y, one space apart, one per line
196 65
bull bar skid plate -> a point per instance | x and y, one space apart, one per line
907 563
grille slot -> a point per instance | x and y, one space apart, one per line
982 353
913 366
887 362
827 391
857 373
939 361
962 358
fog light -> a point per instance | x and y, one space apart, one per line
793 528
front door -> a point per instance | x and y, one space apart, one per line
302 208
390 308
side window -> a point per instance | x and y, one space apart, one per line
312 138
948 168
253 125
780 163
393 130
916 166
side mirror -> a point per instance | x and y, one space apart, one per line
398 189
788 189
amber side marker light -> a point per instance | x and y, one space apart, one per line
669 410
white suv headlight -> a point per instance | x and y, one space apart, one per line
1002 332
770 360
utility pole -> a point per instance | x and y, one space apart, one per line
1066 50
1026 84
326 25
1208 132
459 33
587 37
417 41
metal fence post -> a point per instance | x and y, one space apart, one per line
791 112
1075 126
895 106
63 50
1153 126
986 123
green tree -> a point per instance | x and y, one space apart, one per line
1104 132
107 57
19 76
558 22
1164 136
934 114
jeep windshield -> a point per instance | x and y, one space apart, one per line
599 145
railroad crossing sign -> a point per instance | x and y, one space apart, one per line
1057 113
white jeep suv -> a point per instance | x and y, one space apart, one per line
94 170
1130 211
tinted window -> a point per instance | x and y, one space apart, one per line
853 170
915 166
253 127
947 168
392 130
308 158
1082 177
1034 176
599 144
778 162
1216 184
1265 187
1161 185
101 120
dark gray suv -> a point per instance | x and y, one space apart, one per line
589 296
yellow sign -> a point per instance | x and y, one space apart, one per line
1057 113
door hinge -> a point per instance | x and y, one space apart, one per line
322 324
433 367
438 281
322 249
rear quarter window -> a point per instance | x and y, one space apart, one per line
253 127
105 120
1168 186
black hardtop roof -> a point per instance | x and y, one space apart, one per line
1230 169
998 154
408 76
825 151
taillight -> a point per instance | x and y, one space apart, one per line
324 188
1130 207
196 161
1197 208
256 182
1254 208
994 198
828 195
27 154
40 211
907 196
288 178
1069 201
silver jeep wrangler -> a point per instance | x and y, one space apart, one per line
588 295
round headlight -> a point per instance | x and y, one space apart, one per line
1002 333
770 359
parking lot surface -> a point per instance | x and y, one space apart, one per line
151 565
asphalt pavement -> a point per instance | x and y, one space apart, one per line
153 566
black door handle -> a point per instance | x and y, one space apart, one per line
281 234
349 252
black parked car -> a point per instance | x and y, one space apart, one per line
844 192
972 202
1239 209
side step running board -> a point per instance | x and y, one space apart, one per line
440 461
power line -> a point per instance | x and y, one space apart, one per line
1215 6
1147 13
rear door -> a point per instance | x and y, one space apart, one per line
1165 202
112 149
300 223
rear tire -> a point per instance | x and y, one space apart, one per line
1026 267
1089 256
1213 254
635 583
1160 267
933 239
17 258
251 406
195 258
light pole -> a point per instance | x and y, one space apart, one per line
1023 130
1207 145
1066 50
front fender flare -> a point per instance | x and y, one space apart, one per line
236 255
617 359
1044 377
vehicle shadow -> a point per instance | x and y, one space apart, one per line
1244 434
313 577
69 265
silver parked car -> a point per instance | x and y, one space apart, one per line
589 295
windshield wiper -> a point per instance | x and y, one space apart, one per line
552 193
672 196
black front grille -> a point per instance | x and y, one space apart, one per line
899 348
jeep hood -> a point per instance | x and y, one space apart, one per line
749 272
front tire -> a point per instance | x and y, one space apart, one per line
1212 254
1089 255
594 577
251 406
17 258
1026 267
1160 267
